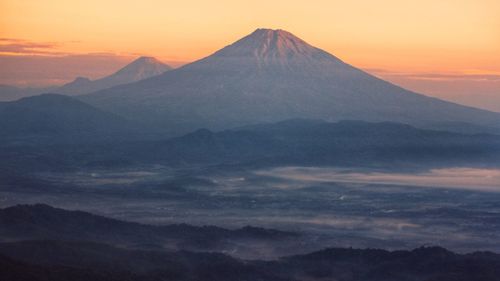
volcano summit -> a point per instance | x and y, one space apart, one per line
272 75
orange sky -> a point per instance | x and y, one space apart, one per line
457 37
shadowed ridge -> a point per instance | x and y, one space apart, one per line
57 115
40 221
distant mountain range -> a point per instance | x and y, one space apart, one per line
270 76
316 142
267 76
106 258
141 68
291 142
293 92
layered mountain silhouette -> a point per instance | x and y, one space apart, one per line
139 69
64 260
103 255
296 142
268 76
43 222
313 142
55 115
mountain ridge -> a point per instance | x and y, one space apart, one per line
56 258
44 222
297 142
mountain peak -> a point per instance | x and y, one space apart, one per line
81 81
146 60
141 68
279 41
274 46
145 64
271 33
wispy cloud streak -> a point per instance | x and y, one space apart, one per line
20 46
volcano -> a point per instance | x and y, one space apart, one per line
139 69
272 75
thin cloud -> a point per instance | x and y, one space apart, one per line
462 178
20 46
435 76
11 40
471 77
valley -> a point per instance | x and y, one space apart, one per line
329 212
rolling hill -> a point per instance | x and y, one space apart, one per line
56 115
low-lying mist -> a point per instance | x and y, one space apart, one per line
332 207
462 178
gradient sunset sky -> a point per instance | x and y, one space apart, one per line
447 48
